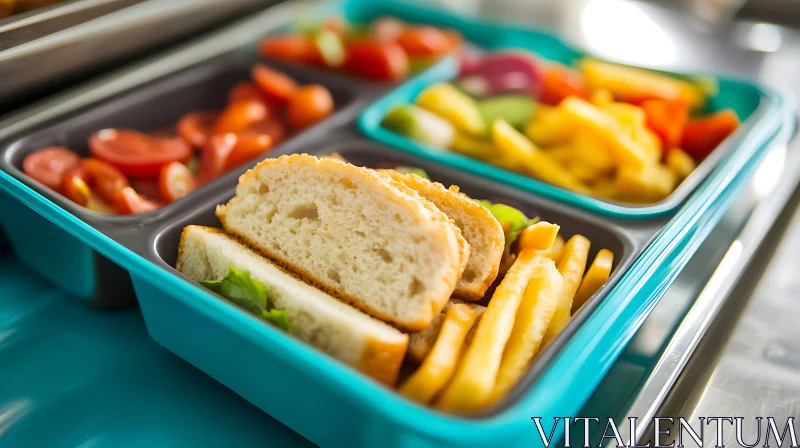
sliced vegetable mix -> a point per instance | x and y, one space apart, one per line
606 130
385 50
131 172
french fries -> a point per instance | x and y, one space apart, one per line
540 236
571 266
595 277
439 365
554 252
420 344
624 149
475 376
533 317
516 147
680 163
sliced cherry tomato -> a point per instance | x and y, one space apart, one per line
48 165
195 127
274 128
247 148
703 135
175 182
74 186
311 104
426 41
212 161
291 48
147 187
239 116
137 154
275 85
372 59
244 90
667 119
129 202
387 29
105 179
559 83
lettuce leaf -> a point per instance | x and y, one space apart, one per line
240 288
512 220
412 170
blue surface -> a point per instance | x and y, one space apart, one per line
72 376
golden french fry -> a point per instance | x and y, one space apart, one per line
595 277
475 375
539 236
571 266
680 163
601 97
536 162
605 188
439 365
651 183
547 127
544 291
555 251
592 151
420 344
625 150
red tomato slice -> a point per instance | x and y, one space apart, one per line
195 127
275 85
291 48
247 148
239 116
104 178
244 90
276 131
426 41
559 83
372 59
212 161
146 187
74 186
175 182
137 154
129 202
48 165
387 29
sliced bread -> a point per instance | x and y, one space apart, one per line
353 233
420 344
483 232
316 318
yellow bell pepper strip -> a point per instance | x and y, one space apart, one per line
438 367
482 149
571 266
680 163
446 101
516 146
634 85
624 149
595 277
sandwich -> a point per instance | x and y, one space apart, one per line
207 255
480 228
353 232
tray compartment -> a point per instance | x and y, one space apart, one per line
750 101
152 107
204 332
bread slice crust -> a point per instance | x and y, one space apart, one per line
483 232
